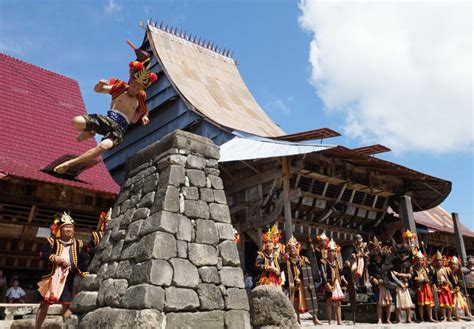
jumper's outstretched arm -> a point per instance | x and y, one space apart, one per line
102 87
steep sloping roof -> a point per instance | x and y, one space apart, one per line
36 108
437 219
210 83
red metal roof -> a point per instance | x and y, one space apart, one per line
36 108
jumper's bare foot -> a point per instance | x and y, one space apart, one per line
339 323
379 322
433 320
389 322
62 168
85 135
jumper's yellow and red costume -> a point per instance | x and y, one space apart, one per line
267 264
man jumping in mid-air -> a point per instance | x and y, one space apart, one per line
128 107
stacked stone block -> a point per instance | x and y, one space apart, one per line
168 258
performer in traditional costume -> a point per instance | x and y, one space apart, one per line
267 262
421 280
455 277
445 295
128 106
379 278
401 276
299 280
330 269
469 277
359 255
97 236
65 260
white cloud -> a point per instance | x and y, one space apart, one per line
112 7
401 73
279 105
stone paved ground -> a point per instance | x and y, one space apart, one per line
307 323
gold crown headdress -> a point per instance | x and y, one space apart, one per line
420 255
454 260
322 236
332 245
59 222
293 242
273 234
438 257
409 234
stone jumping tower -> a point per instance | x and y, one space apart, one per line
167 259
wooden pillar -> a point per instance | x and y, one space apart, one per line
459 239
260 239
286 199
406 214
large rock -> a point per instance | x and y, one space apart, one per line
237 320
232 277
202 254
196 209
110 318
219 212
157 272
209 274
206 232
157 245
144 296
229 253
207 320
236 299
270 307
161 221
84 301
111 292
210 297
181 299
185 273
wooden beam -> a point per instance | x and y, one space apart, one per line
286 199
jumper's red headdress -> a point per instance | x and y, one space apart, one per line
140 69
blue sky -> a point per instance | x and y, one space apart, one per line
296 62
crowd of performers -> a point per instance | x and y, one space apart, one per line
436 287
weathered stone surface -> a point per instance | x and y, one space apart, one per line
160 221
236 319
212 171
94 265
196 209
181 299
107 270
106 253
209 274
166 198
89 283
236 299
219 212
210 297
208 320
190 192
206 232
131 251
111 292
219 196
136 170
55 322
122 318
182 247
157 245
170 158
185 274
212 163
84 301
173 175
157 272
226 231
117 251
127 217
232 277
196 177
229 253
141 213
118 234
144 296
133 229
147 200
270 307
216 182
185 229
202 254
195 162
151 183
207 194
124 269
